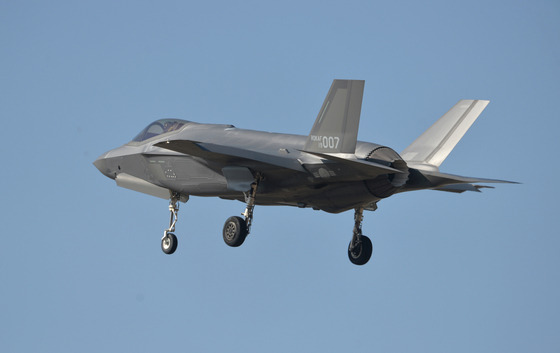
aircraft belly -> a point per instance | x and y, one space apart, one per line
342 198
332 198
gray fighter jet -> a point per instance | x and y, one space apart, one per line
328 170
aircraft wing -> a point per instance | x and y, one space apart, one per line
228 155
332 167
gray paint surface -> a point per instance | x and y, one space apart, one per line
328 170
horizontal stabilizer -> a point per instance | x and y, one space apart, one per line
435 144
460 188
443 179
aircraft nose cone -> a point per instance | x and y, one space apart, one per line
102 165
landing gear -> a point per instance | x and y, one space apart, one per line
235 231
236 228
169 243
169 240
360 248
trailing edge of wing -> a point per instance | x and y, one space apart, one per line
229 154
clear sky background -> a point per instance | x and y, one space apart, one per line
81 267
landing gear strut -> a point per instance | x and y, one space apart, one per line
360 248
236 228
169 240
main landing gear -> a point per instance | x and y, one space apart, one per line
236 228
360 248
169 240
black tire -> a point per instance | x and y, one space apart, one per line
361 254
169 243
235 231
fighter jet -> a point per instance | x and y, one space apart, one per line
328 170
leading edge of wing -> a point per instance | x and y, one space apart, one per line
229 155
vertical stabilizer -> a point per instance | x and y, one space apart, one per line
435 144
336 127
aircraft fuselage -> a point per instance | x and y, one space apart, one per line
334 191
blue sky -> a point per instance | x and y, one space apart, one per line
80 262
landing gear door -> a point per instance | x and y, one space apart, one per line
238 178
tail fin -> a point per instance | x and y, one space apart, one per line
336 126
434 145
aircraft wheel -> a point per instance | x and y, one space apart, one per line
235 231
169 243
361 254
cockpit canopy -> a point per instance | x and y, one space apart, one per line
159 127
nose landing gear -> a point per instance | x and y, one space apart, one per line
169 240
360 248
